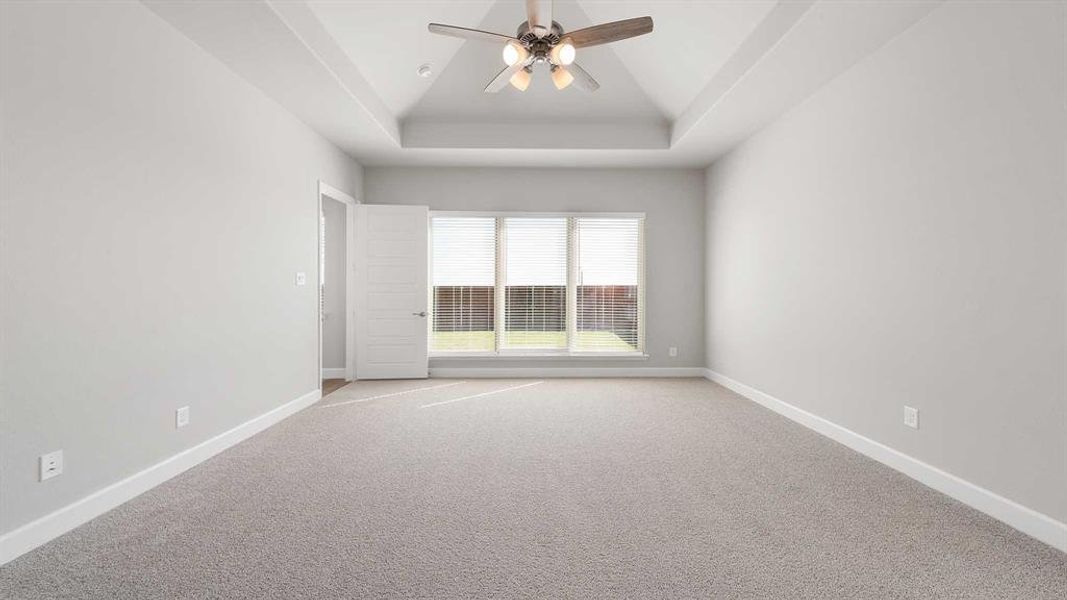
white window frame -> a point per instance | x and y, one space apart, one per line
572 278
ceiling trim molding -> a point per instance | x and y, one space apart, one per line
300 19
762 40
630 135
826 40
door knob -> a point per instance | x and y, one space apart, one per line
420 314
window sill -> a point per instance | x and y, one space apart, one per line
542 355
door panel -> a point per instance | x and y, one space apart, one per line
391 284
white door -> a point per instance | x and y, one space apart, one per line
392 294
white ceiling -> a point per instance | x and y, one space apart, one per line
388 41
653 77
457 94
691 41
711 73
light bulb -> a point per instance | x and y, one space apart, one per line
521 80
564 52
513 53
561 77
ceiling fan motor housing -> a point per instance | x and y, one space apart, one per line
531 41
539 47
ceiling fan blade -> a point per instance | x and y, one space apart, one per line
504 77
469 34
583 79
610 32
539 16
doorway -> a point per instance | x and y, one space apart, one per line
335 281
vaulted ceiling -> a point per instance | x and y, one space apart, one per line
711 73
640 77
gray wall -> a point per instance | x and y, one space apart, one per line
899 238
333 327
673 201
155 210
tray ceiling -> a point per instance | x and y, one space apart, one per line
711 73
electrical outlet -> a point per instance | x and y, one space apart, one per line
181 417
51 464
301 278
911 417
672 351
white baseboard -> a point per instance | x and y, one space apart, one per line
520 372
55 524
1026 520
333 373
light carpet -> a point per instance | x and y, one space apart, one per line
599 488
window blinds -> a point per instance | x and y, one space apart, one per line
608 285
535 278
514 284
464 280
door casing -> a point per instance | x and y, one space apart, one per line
328 191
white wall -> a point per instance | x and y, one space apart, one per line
899 238
673 201
333 327
155 210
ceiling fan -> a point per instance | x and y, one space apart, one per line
540 40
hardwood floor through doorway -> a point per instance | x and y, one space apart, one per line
330 386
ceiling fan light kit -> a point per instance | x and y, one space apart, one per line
514 52
561 77
540 40
521 79
563 53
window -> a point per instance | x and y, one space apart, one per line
535 283
542 284
464 284
609 271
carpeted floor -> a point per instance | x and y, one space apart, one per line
564 488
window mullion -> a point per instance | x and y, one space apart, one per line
499 291
641 285
572 284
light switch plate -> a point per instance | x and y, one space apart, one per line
301 278
911 417
181 417
51 464
672 351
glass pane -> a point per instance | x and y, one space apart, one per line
536 283
609 265
464 272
